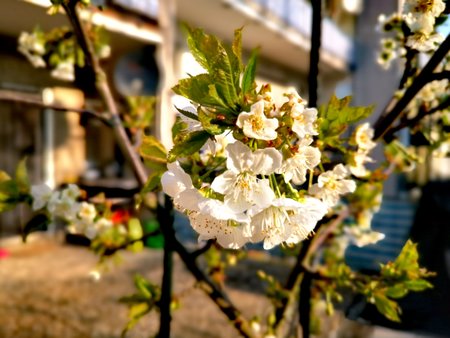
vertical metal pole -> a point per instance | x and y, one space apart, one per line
316 31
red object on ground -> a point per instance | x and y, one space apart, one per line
3 253
120 216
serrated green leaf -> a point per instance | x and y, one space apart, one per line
388 308
248 79
39 222
154 153
207 120
337 115
197 89
190 144
408 259
221 62
397 291
179 130
418 285
188 114
237 46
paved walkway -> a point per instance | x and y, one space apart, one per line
46 291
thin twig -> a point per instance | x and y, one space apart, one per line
395 108
202 250
412 122
409 69
323 234
104 90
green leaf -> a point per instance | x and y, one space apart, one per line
4 176
222 63
397 291
9 191
207 120
134 233
197 89
387 307
188 114
418 285
153 182
237 45
22 180
154 153
248 79
408 259
189 145
337 115
39 222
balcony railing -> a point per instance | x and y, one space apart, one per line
296 15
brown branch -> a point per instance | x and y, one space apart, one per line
111 251
302 265
322 235
103 88
395 108
36 100
412 122
202 250
218 297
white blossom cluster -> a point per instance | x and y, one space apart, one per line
61 59
33 47
419 16
363 136
263 193
82 217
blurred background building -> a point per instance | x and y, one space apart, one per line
65 147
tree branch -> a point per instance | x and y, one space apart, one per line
165 219
104 90
395 108
412 122
217 296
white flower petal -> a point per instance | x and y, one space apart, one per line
175 180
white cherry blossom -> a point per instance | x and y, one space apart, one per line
332 184
304 120
256 125
424 43
296 167
356 166
363 137
175 181
41 196
214 220
240 184
311 211
87 212
285 220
